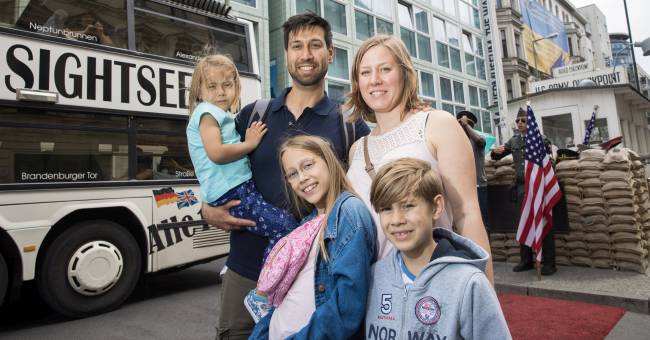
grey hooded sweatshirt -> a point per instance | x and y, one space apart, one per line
451 298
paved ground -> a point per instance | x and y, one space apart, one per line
627 290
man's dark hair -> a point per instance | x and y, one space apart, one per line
303 21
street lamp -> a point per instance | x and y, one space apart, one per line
550 36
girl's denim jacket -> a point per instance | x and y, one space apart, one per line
340 284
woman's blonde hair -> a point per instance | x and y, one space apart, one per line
339 182
409 93
400 179
198 79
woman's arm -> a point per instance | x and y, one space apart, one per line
449 145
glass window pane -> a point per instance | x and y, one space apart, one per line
453 34
445 89
439 29
421 21
251 3
165 155
464 13
339 68
478 46
450 7
337 91
408 38
303 6
404 14
480 68
365 4
473 96
447 107
384 27
427 84
459 93
335 14
486 118
183 40
364 25
484 98
477 18
384 8
467 42
470 66
443 54
454 56
84 21
438 4
459 108
424 48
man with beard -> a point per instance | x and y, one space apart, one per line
303 108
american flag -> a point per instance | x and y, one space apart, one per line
186 199
590 128
541 193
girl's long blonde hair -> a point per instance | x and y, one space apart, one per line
338 180
198 79
397 49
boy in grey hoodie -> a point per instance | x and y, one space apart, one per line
432 285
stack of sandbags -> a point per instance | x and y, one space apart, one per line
512 248
566 172
641 195
583 242
627 239
505 171
497 246
490 169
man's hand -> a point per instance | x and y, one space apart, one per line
220 217
499 150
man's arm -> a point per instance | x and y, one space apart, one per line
474 136
502 151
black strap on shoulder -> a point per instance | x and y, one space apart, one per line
349 133
260 109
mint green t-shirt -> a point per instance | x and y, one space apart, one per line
215 179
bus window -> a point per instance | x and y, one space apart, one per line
57 147
98 22
181 39
163 149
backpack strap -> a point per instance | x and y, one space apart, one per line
349 133
260 109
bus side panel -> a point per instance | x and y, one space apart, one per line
176 243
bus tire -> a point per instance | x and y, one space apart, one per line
4 279
91 268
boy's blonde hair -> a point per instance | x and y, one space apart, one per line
338 180
198 79
403 178
409 95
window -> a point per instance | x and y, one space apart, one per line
55 146
335 14
485 102
450 7
469 13
337 91
509 86
468 46
303 6
369 18
92 22
559 130
339 68
426 85
504 43
251 3
600 133
414 31
187 35
518 50
447 39
451 92
473 96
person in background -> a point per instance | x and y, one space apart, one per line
467 120
432 284
516 146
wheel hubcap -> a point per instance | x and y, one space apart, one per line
95 267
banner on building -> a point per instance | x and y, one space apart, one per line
573 68
539 22
609 76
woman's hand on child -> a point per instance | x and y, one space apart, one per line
254 133
221 218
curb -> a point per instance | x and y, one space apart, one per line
632 304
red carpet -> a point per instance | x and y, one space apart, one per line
531 317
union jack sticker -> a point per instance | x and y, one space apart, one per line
186 199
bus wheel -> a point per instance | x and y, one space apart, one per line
90 268
4 278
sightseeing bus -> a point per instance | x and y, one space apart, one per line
96 184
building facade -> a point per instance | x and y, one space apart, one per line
597 32
444 38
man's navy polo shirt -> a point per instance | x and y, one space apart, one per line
246 248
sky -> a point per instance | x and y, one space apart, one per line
615 13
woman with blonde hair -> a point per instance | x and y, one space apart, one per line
385 92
